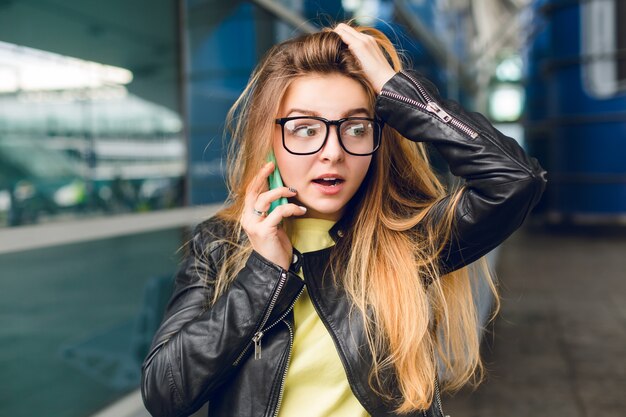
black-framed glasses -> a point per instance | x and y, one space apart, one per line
306 135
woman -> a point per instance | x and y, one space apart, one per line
353 298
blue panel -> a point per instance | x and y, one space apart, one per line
565 25
425 11
221 58
230 45
584 135
320 11
536 53
563 65
596 199
210 99
590 148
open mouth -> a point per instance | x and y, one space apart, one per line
328 182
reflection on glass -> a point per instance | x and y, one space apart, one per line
74 140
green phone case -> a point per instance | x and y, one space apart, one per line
275 181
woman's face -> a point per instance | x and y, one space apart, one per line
332 97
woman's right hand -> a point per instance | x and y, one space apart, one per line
263 230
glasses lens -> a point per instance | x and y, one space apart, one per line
304 135
359 136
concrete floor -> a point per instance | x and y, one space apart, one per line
558 346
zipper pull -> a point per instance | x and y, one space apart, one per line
433 107
257 345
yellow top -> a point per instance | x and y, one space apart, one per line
316 383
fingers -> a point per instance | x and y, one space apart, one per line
252 212
354 38
347 31
258 199
259 183
263 231
283 211
264 200
267 238
367 51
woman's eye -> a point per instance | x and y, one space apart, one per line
356 129
306 131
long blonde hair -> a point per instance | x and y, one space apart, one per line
418 323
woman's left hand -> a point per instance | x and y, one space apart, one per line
368 53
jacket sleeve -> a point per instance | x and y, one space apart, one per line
502 182
197 347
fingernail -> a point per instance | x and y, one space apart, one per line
303 208
293 190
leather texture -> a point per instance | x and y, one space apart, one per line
205 353
503 183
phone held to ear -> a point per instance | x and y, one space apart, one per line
275 181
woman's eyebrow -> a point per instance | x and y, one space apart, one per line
306 112
356 111
349 113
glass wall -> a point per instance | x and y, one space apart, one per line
90 119
91 139
77 321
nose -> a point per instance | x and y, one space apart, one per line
332 150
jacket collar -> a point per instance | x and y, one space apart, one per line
338 230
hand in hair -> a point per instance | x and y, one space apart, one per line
263 230
367 51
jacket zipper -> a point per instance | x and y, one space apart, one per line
457 122
446 117
435 108
256 339
438 397
284 377
282 318
432 107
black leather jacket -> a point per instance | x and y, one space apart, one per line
203 353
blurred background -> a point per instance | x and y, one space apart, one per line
112 146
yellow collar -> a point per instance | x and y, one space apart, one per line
309 234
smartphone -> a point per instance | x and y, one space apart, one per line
275 181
